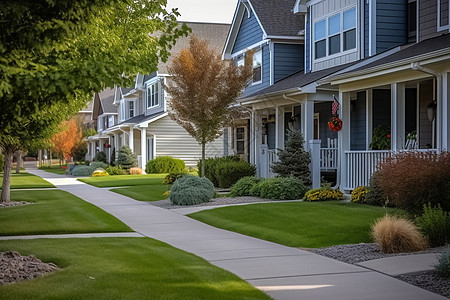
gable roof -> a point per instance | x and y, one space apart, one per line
106 100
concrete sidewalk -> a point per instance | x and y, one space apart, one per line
280 271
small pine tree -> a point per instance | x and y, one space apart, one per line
126 158
113 157
293 160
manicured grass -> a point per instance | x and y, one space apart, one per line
124 180
26 181
304 224
144 192
55 211
54 170
123 268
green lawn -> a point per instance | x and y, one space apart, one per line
26 181
123 268
124 180
54 170
55 211
304 224
152 192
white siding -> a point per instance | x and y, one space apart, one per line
328 6
173 140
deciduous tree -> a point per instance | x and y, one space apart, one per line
65 141
202 88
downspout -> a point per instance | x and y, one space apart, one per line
417 67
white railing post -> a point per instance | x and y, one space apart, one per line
263 161
314 146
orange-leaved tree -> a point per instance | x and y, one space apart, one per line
65 141
203 87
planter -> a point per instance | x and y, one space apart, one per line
335 124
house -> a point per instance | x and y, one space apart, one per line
143 122
384 61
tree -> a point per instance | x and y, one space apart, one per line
293 160
61 52
65 141
202 88
126 158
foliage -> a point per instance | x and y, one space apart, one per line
411 179
98 164
80 150
280 188
113 156
434 223
100 157
115 170
293 159
359 194
243 186
89 132
375 195
228 173
443 265
325 193
381 138
397 235
190 190
2 161
126 158
82 171
64 141
203 87
124 180
99 172
211 166
136 171
165 164
172 177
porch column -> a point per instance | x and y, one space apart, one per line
116 143
258 138
445 111
279 127
251 142
369 117
143 147
308 121
101 145
398 136
344 137
108 159
131 139
154 147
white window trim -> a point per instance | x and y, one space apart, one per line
341 53
134 109
152 83
439 27
262 58
244 140
122 110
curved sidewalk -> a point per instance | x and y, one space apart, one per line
280 271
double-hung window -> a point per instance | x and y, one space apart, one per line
122 110
257 66
442 14
110 121
153 95
131 109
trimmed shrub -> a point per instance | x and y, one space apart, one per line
190 190
280 188
165 164
325 193
82 171
211 165
443 265
375 194
115 170
397 235
243 186
136 171
126 158
98 164
228 173
434 223
359 194
411 179
99 173
172 177
2 161
100 157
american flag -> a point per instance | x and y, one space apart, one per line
334 106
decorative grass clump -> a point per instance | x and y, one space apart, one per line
136 171
165 164
115 170
82 171
359 194
397 235
443 265
280 188
190 190
243 186
99 173
323 194
98 164
434 223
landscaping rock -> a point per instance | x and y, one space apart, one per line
15 267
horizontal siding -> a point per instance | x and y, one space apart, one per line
336 61
265 73
425 126
249 33
324 111
428 19
391 27
173 140
307 45
288 59
358 123
381 108
366 29
326 7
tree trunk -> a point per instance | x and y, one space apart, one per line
19 161
6 186
50 159
203 159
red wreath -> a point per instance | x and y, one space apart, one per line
335 124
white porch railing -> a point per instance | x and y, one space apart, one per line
328 158
272 156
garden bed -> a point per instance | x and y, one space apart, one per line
214 202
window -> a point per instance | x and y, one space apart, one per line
442 14
153 95
110 121
131 109
240 62
335 33
412 21
122 111
257 66
240 140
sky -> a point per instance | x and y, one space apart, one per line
209 11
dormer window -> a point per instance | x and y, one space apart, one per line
153 94
131 109
257 66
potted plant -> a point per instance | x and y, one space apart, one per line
335 124
381 138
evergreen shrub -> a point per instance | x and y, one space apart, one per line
115 170
279 188
82 171
98 164
126 158
190 190
165 164
325 193
100 157
211 166
434 223
228 173
443 265
243 186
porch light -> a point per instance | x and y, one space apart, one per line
431 110
292 121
